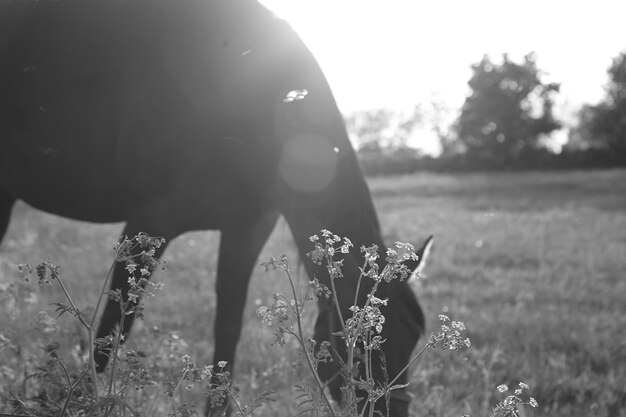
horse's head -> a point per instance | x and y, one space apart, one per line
316 183
319 186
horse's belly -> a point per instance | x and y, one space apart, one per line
50 183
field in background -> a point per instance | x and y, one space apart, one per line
533 263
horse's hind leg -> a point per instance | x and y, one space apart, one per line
239 250
6 204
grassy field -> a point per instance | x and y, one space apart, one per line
533 263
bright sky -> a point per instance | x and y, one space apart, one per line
399 53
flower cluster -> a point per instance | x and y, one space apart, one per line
45 272
139 252
284 312
135 373
219 388
363 323
139 256
451 336
194 373
319 290
361 331
394 268
370 315
395 262
217 380
329 244
323 354
274 264
325 248
510 406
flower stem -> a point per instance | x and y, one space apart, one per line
116 346
358 284
300 338
72 387
88 326
234 400
413 359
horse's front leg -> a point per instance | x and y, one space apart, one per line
239 249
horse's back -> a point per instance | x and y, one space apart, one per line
122 100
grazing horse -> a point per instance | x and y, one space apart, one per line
172 116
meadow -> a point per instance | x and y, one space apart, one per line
533 263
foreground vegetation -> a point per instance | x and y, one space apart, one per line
532 263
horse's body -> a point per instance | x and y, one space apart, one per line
170 116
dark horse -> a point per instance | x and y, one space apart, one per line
171 116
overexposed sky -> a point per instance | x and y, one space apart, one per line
398 53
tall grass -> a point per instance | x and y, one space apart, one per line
533 263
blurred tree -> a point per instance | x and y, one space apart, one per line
580 137
382 130
604 126
368 128
507 113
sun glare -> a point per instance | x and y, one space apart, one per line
398 53
395 53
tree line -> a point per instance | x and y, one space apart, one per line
506 122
